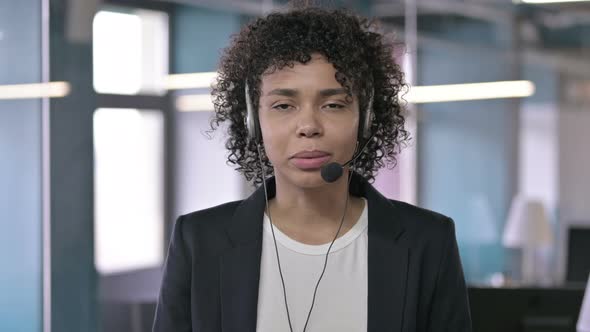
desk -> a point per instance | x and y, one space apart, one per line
525 309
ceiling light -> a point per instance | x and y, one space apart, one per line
469 91
194 103
416 95
35 90
547 1
190 81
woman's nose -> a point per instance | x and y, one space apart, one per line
308 131
308 124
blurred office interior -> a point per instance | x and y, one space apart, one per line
104 111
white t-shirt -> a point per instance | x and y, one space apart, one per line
341 300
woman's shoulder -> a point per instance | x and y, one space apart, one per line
206 228
221 210
417 212
213 216
208 221
423 223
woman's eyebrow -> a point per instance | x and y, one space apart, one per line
332 92
293 93
283 92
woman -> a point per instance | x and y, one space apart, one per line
316 247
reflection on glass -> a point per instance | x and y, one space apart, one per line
128 182
116 53
130 52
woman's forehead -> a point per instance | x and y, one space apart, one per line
318 73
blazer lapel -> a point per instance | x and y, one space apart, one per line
240 273
240 266
387 265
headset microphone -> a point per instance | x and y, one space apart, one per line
333 171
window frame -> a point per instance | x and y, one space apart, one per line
163 103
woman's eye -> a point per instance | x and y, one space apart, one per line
282 107
334 106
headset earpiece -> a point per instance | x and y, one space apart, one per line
251 117
368 119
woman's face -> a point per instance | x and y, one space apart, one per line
307 121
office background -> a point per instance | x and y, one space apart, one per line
115 139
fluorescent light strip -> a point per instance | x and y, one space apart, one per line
416 95
35 90
194 103
547 1
470 91
190 81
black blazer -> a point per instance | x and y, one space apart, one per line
211 274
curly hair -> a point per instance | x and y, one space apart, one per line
364 63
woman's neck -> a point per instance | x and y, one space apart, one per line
313 215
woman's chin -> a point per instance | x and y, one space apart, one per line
304 178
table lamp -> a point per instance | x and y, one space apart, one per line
584 319
527 228
479 230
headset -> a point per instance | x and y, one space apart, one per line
253 124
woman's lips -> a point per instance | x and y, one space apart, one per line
310 160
